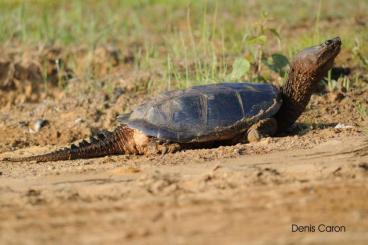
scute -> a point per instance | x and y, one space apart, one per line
205 113
223 109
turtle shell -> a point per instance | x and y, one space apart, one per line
205 113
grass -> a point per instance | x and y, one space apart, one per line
363 111
185 43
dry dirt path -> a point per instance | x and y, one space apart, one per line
182 199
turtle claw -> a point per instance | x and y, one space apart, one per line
254 135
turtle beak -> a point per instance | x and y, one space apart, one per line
332 44
328 51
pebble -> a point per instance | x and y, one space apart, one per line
40 123
78 120
343 126
336 97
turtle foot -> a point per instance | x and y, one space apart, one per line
262 129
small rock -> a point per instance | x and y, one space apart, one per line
336 97
78 120
40 123
343 126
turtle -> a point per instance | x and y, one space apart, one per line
199 116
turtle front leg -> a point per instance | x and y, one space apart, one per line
263 128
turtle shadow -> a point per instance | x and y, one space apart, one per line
336 73
304 128
297 129
340 71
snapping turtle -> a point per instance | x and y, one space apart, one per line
205 113
201 115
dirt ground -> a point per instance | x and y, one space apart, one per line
215 196
314 174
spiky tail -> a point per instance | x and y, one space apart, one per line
104 144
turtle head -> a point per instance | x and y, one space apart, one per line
307 68
314 62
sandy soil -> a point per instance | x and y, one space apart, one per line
314 174
213 196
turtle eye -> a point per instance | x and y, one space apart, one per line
328 42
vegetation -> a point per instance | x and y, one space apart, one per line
183 43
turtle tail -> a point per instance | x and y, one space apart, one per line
104 144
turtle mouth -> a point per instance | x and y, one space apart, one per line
334 43
329 50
